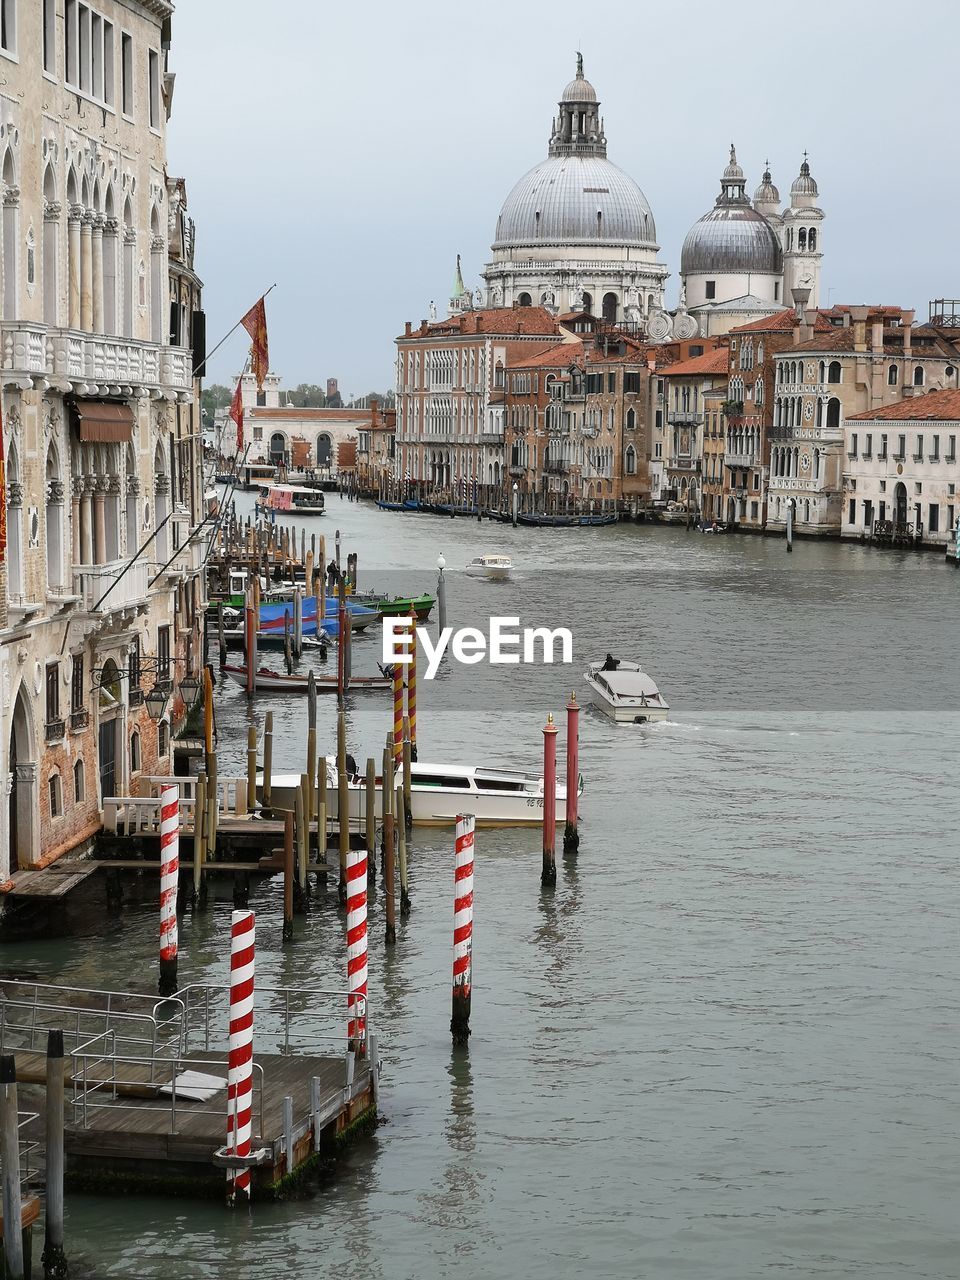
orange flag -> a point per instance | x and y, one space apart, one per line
3 495
255 323
236 413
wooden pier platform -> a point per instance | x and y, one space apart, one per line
140 1141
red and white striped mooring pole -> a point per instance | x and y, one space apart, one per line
169 884
462 929
357 949
240 1065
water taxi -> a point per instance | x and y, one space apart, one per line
495 568
439 792
290 499
625 693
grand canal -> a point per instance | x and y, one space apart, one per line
725 1045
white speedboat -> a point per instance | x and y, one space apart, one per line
626 693
496 568
439 792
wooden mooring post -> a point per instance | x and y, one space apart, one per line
343 802
462 929
388 857
288 834
267 760
571 834
548 875
54 1258
400 828
199 840
370 818
10 1161
251 768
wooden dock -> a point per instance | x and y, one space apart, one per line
140 1141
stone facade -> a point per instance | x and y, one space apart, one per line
100 306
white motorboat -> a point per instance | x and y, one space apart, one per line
496 568
626 693
439 792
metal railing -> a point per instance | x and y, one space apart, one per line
143 1026
28 1148
279 1011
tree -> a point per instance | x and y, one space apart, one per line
307 396
213 398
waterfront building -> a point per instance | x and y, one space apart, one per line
900 470
861 359
714 450
576 232
101 331
277 434
376 449
743 258
450 385
687 384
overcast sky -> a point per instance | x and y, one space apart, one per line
350 151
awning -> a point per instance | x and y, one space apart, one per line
103 422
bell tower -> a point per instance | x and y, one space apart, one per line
802 234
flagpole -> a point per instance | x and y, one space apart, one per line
211 354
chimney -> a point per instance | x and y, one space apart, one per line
407 329
876 335
803 330
906 320
859 315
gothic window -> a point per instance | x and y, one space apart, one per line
892 376
630 461
918 376
631 420
833 373
135 761
56 796
79 790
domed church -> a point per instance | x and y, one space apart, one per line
576 233
743 259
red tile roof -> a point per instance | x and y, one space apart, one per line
558 357
710 362
535 321
935 406
781 321
311 415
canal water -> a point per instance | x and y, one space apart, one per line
725 1045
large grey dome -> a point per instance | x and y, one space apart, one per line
578 199
731 239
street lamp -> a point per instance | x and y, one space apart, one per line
189 688
156 702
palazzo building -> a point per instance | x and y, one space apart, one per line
100 586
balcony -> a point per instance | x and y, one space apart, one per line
103 590
79 719
54 731
684 418
557 465
746 459
491 435
517 471
94 363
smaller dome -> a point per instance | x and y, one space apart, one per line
733 172
767 192
579 90
804 184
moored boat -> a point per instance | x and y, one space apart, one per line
290 499
439 792
267 681
625 693
398 606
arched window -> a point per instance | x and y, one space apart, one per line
588 303
161 505
812 239
133 488
163 739
524 300
789 237
833 414
918 376
50 248
892 376
135 761
823 371
630 461
11 214
129 272
14 497
54 521
610 306
833 373
110 264
631 420
802 238
157 273
79 783
278 448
